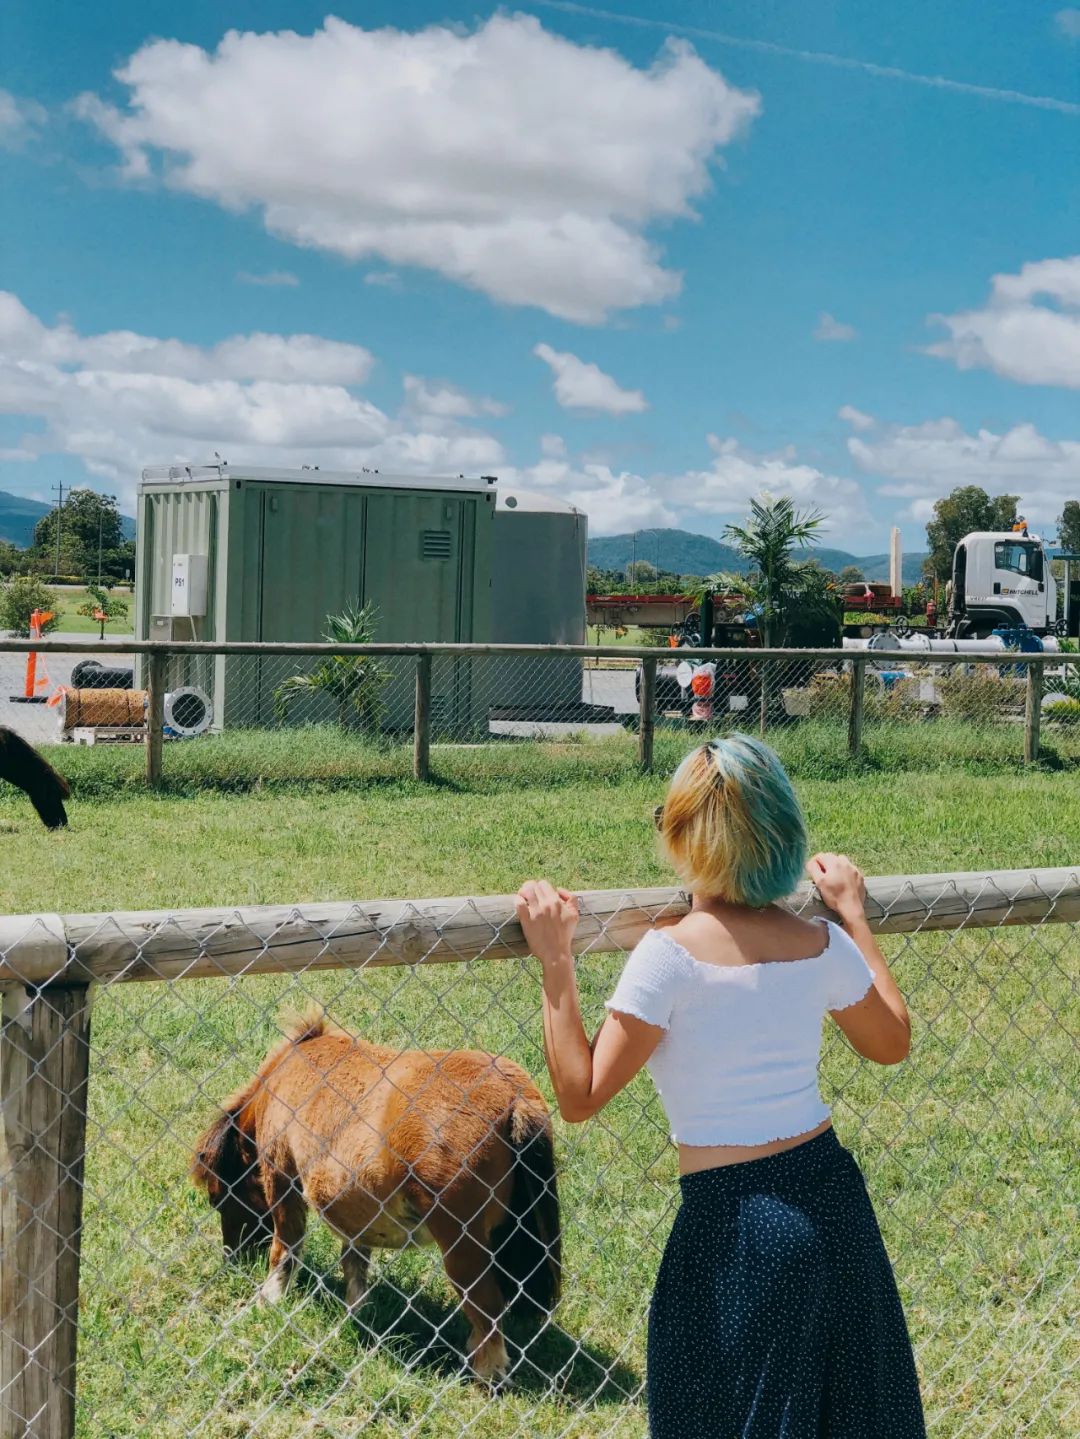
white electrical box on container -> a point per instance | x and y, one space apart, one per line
189 586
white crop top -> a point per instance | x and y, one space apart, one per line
738 1064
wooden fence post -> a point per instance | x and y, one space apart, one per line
647 714
44 1059
155 716
858 703
1033 712
422 719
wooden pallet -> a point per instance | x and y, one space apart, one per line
107 734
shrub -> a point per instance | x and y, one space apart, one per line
828 696
979 698
1066 711
353 683
19 598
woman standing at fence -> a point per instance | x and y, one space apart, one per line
775 1313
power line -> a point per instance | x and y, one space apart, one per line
817 57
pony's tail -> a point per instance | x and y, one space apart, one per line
527 1245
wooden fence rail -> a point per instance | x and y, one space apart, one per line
49 961
51 949
96 647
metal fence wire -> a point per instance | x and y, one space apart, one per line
250 713
433 1126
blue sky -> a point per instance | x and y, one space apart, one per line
550 245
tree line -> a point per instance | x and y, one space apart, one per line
83 539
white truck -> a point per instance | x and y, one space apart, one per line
1003 581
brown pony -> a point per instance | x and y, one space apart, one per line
391 1148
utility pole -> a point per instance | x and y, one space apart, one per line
100 510
59 515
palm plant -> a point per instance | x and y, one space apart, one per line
784 591
778 583
353 682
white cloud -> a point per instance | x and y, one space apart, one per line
737 475
552 447
1068 23
617 500
444 401
19 119
830 328
583 386
920 463
1016 337
508 159
257 356
120 401
613 500
857 419
270 277
388 279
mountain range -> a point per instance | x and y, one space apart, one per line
684 553
18 516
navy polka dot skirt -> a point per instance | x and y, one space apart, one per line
776 1314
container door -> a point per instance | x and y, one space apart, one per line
418 574
311 567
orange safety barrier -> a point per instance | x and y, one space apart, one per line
36 684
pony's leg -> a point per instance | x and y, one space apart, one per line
471 1269
354 1264
289 1214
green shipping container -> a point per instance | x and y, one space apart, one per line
284 549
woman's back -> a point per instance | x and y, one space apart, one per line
741 1000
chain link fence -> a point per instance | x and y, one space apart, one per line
969 1150
246 715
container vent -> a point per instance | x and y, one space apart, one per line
435 544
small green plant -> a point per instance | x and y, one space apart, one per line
103 606
354 683
1066 711
20 596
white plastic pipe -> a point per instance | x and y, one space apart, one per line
920 644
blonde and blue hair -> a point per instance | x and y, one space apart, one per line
731 825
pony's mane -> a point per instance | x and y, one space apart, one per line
298 1027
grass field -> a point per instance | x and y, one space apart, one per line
969 1148
72 623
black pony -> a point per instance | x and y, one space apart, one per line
22 766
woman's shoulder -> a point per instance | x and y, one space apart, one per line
664 942
745 938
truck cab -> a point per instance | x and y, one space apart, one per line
1002 580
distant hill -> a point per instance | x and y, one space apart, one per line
684 553
18 516
677 550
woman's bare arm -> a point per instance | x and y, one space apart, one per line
878 1026
584 1076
